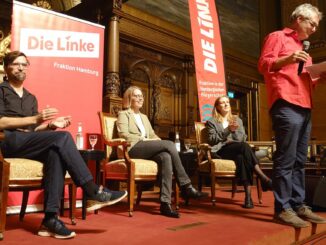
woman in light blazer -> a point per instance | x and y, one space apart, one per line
227 136
145 144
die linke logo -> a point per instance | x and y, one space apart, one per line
54 43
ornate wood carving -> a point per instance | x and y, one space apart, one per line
318 44
4 49
4 44
43 4
156 95
112 84
115 108
125 82
112 105
140 73
117 4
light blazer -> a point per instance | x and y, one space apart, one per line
219 136
128 129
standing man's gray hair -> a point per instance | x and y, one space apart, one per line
305 10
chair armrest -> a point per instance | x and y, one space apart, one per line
125 144
2 135
204 151
254 147
117 139
205 147
263 149
261 143
116 142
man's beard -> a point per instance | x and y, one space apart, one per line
19 77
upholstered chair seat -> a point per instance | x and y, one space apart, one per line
221 166
118 168
26 169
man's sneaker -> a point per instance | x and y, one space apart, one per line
104 197
55 228
306 213
289 217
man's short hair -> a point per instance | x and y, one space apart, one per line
11 56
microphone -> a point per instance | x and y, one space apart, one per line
306 45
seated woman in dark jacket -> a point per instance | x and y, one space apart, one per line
145 144
227 137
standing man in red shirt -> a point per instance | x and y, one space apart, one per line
290 101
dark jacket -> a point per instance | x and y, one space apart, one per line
219 136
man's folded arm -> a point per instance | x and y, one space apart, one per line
17 122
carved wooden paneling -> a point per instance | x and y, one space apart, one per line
161 77
166 107
318 113
265 124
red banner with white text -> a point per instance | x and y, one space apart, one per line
66 63
208 54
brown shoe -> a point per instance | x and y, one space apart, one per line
289 217
306 213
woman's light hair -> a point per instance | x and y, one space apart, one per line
126 101
305 10
216 114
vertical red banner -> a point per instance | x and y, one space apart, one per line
208 54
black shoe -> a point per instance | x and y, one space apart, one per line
167 210
267 185
248 203
104 197
55 228
190 192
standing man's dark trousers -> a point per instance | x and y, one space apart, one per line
292 126
58 152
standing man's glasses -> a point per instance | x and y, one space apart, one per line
313 24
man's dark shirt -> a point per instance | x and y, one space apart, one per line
11 105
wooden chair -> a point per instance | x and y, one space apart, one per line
118 166
215 168
264 152
20 174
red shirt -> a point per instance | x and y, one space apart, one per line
285 83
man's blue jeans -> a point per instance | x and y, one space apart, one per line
292 126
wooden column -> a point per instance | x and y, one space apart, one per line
112 100
188 114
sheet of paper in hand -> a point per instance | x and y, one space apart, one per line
316 69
